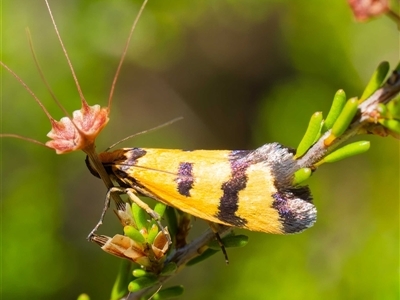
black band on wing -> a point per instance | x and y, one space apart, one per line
185 178
229 202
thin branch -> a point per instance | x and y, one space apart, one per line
382 95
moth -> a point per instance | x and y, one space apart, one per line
249 189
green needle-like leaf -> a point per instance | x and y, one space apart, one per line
343 121
170 215
169 269
393 125
206 254
83 297
134 234
376 80
231 241
301 175
139 273
140 216
393 108
141 283
338 103
346 151
160 208
153 231
313 129
168 293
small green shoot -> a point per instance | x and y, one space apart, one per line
376 80
301 175
134 234
83 297
168 293
141 283
343 121
140 216
312 132
339 101
169 269
346 151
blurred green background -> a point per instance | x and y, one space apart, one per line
241 73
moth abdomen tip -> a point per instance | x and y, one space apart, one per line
296 210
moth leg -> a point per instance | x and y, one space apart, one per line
214 227
105 208
132 195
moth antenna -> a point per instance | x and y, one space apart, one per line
124 53
29 91
28 33
152 170
20 137
143 132
86 109
83 101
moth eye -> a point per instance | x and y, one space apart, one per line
90 167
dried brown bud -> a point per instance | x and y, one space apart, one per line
144 254
124 247
160 245
125 216
79 132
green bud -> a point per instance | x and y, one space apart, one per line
169 269
83 297
141 283
235 241
140 216
313 129
231 241
172 219
376 80
160 208
139 273
338 103
383 110
393 108
301 175
152 233
346 151
206 254
343 121
134 234
168 293
393 125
